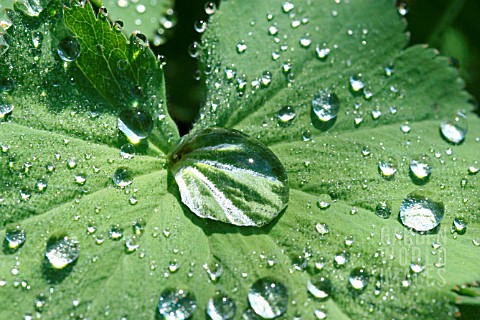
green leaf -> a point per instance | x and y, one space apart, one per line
153 18
72 119
124 74
324 161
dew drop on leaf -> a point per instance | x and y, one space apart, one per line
286 114
320 287
176 304
62 251
225 175
127 151
268 298
115 232
454 130
32 8
383 209
356 83
15 237
3 45
135 124
420 211
6 105
325 106
459 226
420 167
358 279
122 177
387 167
221 307
69 49
210 8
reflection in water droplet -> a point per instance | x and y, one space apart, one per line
358 279
455 130
286 114
123 177
268 298
341 259
326 106
135 124
15 237
225 175
62 252
32 8
69 49
176 304
320 287
421 212
221 307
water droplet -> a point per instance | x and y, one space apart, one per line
131 244
138 227
305 41
420 168
32 8
322 52
421 212
221 307
80 179
118 25
473 170
459 225
200 26
6 106
123 177
135 124
266 79
214 271
341 259
3 45
320 287
402 7
388 167
115 232
287 6
176 304
356 83
194 49
241 47
69 49
322 229
286 114
225 175
307 135
358 279
62 251
383 209
417 266
455 130
127 151
268 298
15 237
272 30
210 8
326 106
321 313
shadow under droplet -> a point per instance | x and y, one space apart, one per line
321 125
56 276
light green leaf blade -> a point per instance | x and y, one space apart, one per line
126 74
152 18
413 87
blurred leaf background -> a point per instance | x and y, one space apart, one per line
452 26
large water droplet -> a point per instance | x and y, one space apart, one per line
15 237
455 130
135 124
69 49
176 304
268 298
62 251
358 279
420 211
326 106
221 307
32 8
225 175
320 287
